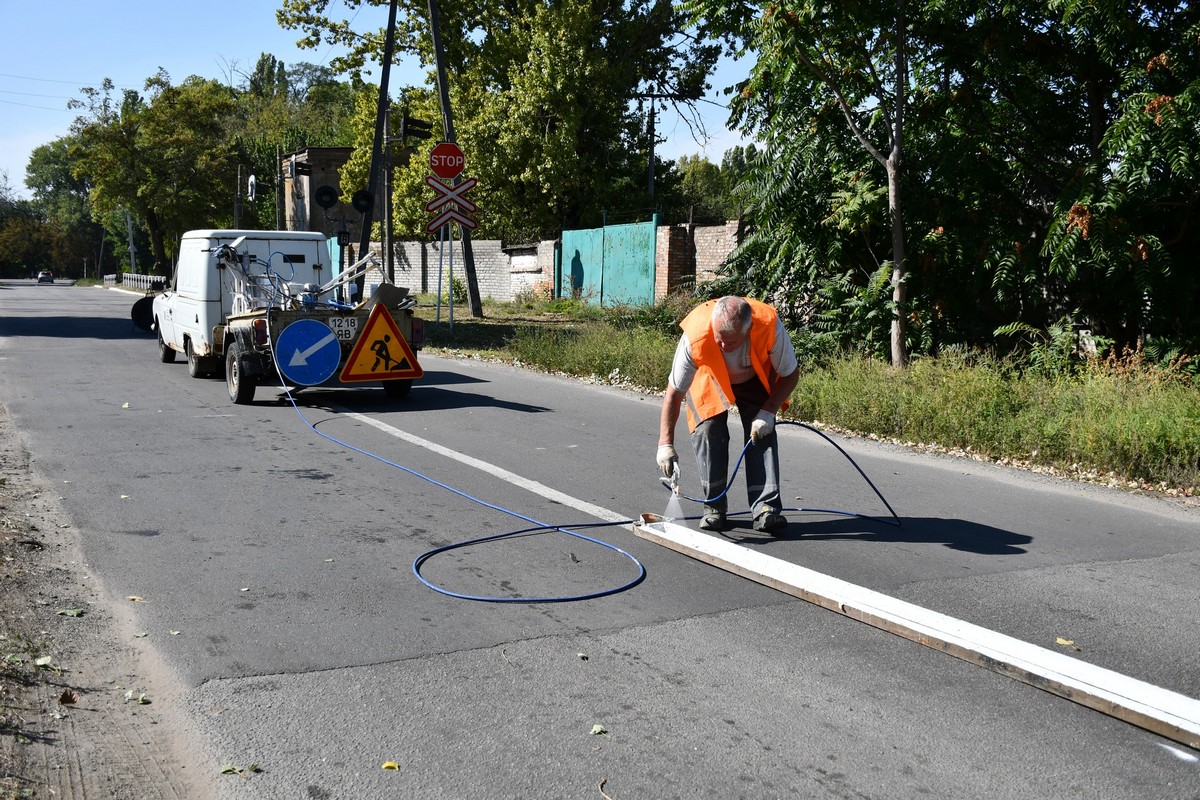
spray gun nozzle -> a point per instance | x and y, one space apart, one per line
672 482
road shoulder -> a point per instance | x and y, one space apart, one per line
84 711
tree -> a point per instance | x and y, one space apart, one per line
1124 230
851 57
702 194
544 96
282 110
61 199
168 159
1047 158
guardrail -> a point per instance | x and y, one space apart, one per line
131 281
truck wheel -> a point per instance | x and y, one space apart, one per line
397 389
198 366
165 354
238 381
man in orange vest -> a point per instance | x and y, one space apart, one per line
734 351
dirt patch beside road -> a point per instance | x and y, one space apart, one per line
83 710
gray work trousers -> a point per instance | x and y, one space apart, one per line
761 464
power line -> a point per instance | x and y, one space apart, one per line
69 83
30 105
31 94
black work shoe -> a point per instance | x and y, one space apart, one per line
713 521
769 521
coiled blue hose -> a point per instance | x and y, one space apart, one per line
537 526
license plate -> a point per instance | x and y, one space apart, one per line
345 328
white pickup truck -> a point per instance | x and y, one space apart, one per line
235 292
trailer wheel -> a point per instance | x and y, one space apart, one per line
165 354
238 380
397 389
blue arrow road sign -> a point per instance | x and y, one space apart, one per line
308 352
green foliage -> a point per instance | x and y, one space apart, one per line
702 193
165 157
1050 164
544 98
1051 353
593 349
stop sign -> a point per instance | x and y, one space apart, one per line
446 160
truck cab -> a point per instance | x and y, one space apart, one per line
190 314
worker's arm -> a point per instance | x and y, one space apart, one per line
672 399
668 459
781 391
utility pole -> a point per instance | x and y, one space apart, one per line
278 188
448 124
650 129
650 182
237 200
389 46
386 228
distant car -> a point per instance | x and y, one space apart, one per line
45 276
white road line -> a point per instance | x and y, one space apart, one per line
517 480
1167 713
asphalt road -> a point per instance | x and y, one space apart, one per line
274 547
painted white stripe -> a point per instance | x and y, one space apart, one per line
517 480
1165 712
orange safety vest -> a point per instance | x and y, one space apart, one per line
711 392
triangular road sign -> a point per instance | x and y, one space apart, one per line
381 352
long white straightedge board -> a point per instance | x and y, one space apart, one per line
1170 714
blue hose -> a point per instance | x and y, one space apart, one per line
894 521
538 526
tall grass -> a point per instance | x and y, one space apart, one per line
1118 417
1137 426
632 356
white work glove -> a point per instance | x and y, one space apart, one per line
763 425
668 460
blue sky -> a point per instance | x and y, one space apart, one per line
53 48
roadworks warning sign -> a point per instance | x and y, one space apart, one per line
381 352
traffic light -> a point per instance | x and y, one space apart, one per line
415 128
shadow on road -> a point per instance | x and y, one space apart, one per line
957 534
71 327
424 397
